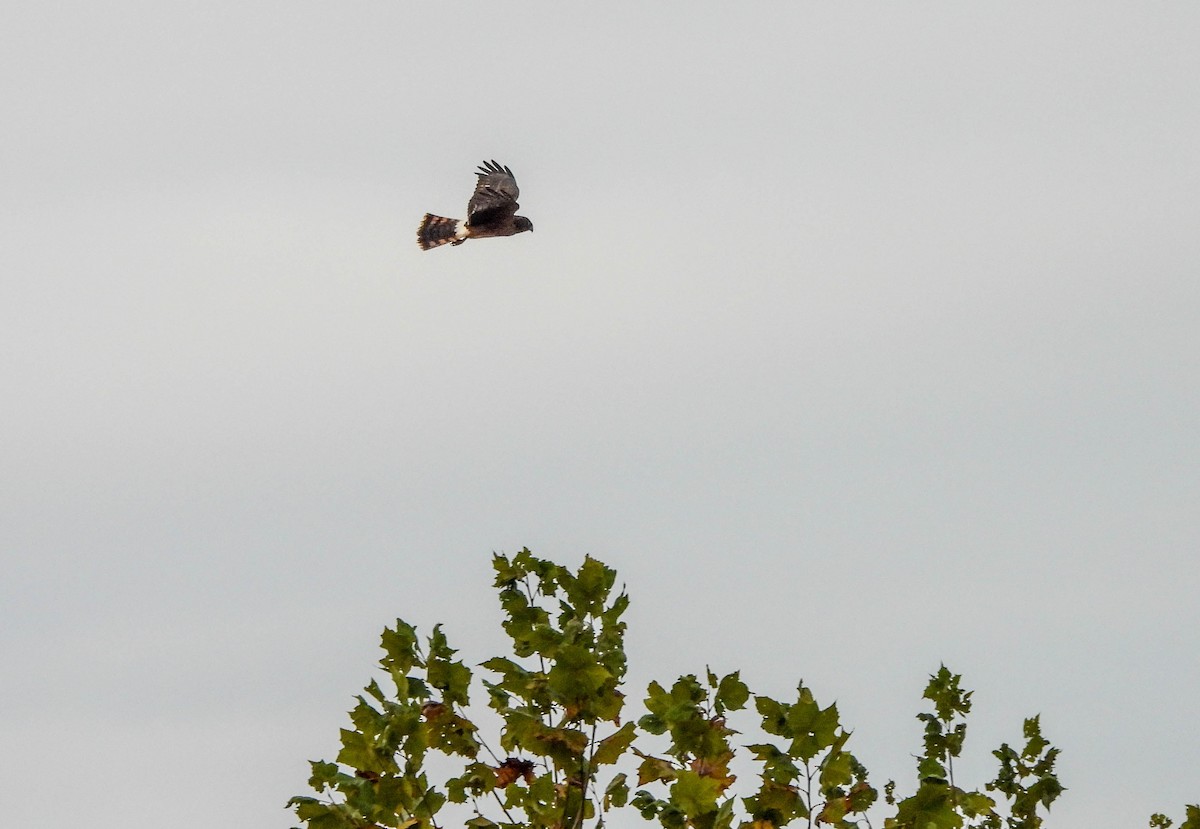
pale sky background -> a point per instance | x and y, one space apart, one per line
857 337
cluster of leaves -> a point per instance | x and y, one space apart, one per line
559 701
696 766
562 705
379 776
814 777
564 757
1026 779
1192 821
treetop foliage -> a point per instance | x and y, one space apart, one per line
567 754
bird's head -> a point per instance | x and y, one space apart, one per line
522 224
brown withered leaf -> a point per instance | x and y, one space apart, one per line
432 710
512 768
372 776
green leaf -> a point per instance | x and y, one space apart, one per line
861 796
930 808
358 753
323 774
776 804
653 769
400 645
774 716
975 804
589 587
563 745
320 815
811 728
732 693
450 733
610 749
507 574
777 766
453 679
616 794
521 619
375 691
693 794
529 686
929 767
576 674
646 804
724 817
366 719
836 770
948 697
614 612
833 812
1035 743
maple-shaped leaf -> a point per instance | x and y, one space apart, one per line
833 811
512 769
774 715
693 794
931 807
576 674
777 803
359 753
715 768
323 774
975 804
836 770
588 588
610 749
507 574
860 797
655 768
400 645
732 694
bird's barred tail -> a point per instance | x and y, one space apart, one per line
437 230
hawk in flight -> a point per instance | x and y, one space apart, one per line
491 212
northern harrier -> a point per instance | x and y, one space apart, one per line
491 212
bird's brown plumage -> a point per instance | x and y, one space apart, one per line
490 212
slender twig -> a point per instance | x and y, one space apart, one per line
541 659
594 783
503 808
547 717
950 774
495 760
488 749
422 802
808 793
585 776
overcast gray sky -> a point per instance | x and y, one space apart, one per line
857 337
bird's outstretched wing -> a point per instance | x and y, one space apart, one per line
495 197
